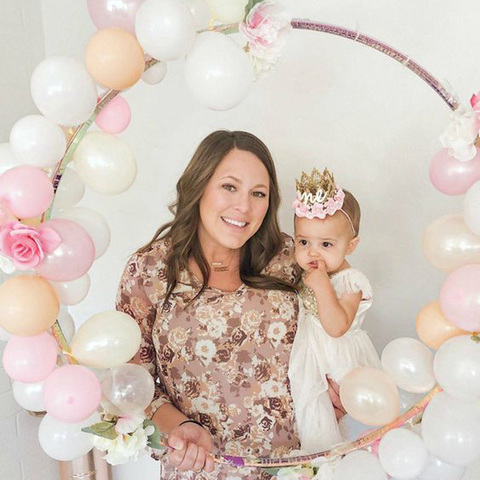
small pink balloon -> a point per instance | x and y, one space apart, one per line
460 297
73 257
452 176
27 191
30 359
114 13
115 117
71 393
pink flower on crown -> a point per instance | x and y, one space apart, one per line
302 210
339 196
318 210
26 245
331 206
475 101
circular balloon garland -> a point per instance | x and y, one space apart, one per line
115 59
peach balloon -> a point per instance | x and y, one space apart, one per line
114 58
370 396
28 305
433 328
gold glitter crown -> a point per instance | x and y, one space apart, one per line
310 185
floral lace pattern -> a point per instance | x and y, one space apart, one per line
221 359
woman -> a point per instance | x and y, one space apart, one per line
213 294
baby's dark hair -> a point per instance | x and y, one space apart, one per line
352 209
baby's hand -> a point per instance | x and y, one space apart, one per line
316 275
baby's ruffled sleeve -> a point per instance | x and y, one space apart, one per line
132 299
283 264
352 280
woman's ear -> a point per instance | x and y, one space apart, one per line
352 245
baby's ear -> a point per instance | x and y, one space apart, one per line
352 245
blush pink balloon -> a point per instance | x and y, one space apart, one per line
460 297
114 13
452 176
73 257
71 393
30 359
27 191
115 117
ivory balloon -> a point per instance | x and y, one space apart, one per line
63 90
471 208
114 13
438 470
37 141
410 364
201 13
7 159
72 293
28 305
370 396
114 58
29 395
457 368
228 11
65 441
218 72
359 465
93 223
402 453
448 243
165 29
106 340
155 74
105 163
433 328
73 257
451 429
70 190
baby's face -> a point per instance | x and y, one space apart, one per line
328 240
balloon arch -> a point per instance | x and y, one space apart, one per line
62 250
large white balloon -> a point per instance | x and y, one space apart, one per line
7 158
402 453
438 470
228 11
63 90
471 208
70 190
410 364
457 368
72 293
65 441
201 13
37 141
359 465
95 225
165 29
29 395
451 429
218 72
105 163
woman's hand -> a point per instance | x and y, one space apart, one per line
334 392
191 445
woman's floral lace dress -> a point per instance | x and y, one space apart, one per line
222 359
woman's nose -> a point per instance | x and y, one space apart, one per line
243 203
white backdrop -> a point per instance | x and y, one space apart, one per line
330 102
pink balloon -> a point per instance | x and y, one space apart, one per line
71 393
27 191
114 13
30 359
72 258
452 176
115 117
460 297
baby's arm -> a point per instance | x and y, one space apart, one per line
335 315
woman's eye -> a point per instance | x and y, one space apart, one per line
229 187
259 194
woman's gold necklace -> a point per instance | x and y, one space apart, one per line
220 266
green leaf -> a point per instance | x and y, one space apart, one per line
102 429
271 471
475 338
250 5
155 439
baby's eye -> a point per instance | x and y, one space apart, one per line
229 187
326 244
259 194
303 243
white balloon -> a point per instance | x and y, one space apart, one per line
70 190
37 141
155 74
7 158
451 429
228 11
165 29
408 399
66 323
218 72
359 465
201 13
72 293
105 163
95 225
63 90
471 208
438 470
65 441
410 364
402 453
29 395
457 368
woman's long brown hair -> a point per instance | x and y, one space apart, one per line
182 230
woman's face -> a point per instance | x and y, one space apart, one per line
234 203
